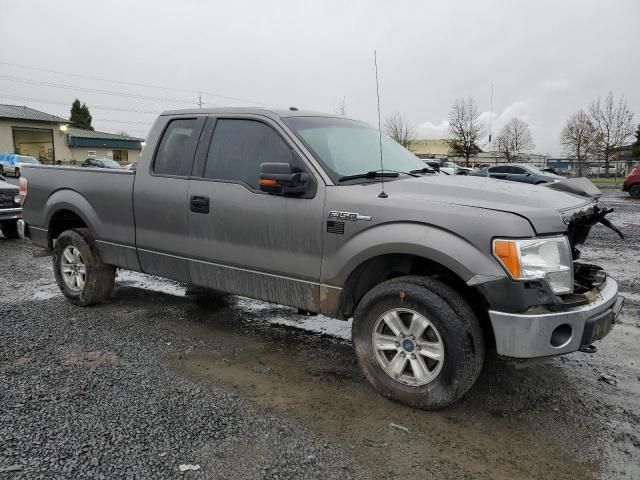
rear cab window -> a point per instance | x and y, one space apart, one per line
174 156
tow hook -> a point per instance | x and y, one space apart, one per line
589 349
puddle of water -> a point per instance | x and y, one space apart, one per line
316 382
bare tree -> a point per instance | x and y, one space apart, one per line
613 122
579 138
397 127
465 127
514 137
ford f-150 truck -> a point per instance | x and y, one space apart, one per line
294 208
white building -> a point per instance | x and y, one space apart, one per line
50 139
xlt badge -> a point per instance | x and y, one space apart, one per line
351 216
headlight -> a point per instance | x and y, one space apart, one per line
538 258
16 199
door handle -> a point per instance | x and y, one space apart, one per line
199 204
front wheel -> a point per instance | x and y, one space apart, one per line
79 271
418 342
635 191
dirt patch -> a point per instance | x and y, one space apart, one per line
90 359
316 382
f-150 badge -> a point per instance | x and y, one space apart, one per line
351 216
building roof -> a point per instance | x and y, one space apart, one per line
438 146
83 133
17 112
79 137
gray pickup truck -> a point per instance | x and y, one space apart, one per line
293 208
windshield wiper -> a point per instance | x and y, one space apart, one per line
371 174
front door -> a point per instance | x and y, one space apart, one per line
248 242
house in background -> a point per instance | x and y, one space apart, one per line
438 148
50 139
85 144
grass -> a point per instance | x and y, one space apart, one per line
615 180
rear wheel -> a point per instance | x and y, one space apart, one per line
1 170
635 191
10 229
79 271
16 173
418 342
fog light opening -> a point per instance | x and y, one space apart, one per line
561 336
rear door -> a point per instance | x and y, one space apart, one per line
161 199
519 174
500 172
248 242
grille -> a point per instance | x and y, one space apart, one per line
6 200
335 227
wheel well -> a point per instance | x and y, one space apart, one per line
385 267
63 220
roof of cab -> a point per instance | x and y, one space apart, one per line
268 112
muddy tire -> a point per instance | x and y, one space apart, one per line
635 191
418 342
79 271
10 229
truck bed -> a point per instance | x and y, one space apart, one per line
102 198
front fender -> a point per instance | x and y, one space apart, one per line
452 251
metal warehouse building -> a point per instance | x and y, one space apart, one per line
26 131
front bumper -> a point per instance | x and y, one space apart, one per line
533 335
10 213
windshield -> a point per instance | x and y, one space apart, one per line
23 159
347 147
535 170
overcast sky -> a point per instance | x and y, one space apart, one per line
546 59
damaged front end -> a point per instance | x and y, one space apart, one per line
588 278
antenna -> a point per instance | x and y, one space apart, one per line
382 194
490 115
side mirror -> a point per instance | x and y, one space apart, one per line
280 179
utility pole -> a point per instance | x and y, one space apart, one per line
199 100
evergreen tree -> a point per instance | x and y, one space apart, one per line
80 115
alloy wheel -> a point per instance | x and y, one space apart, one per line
408 347
73 269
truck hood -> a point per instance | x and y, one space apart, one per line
547 209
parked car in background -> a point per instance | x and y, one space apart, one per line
632 182
10 163
10 209
100 163
517 172
450 168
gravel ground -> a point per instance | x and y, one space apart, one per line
152 379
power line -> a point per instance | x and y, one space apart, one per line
108 120
135 84
10 78
95 107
